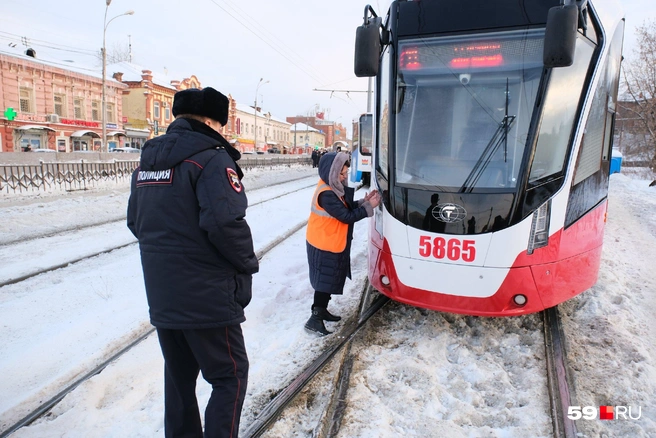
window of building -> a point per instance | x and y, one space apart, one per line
156 110
78 105
26 100
60 105
110 113
167 111
95 110
30 142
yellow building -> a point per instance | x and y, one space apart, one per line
147 101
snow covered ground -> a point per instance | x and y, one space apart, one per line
423 374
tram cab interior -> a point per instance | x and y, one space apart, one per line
461 127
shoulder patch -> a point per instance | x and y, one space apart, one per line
233 179
148 177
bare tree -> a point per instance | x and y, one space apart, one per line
640 82
117 53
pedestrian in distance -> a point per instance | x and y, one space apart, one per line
329 233
315 157
187 208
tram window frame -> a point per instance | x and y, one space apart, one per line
384 117
559 114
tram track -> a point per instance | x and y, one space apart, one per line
120 219
328 424
137 336
82 256
560 390
136 339
286 396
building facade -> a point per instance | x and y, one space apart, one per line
49 107
305 138
333 131
273 133
147 100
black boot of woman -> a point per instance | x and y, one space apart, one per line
320 314
315 323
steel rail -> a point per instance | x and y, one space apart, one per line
122 217
275 407
108 250
49 404
560 396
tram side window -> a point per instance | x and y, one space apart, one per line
560 107
384 114
589 161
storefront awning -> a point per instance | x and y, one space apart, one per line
84 132
113 133
137 133
272 142
28 127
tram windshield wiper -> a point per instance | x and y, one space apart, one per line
500 136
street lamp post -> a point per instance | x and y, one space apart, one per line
255 112
103 104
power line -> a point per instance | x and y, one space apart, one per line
312 76
47 44
261 27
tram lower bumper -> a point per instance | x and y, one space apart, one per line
540 286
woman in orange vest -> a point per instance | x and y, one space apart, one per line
329 234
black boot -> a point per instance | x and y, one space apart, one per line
327 316
315 323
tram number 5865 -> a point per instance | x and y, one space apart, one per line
452 249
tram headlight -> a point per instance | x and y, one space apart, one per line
539 236
520 299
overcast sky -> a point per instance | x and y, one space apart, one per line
229 44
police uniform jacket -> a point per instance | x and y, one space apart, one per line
328 270
187 207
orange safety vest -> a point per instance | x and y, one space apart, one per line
324 231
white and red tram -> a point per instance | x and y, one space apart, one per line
492 145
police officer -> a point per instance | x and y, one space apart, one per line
187 206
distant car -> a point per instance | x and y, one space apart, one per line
43 150
248 152
260 152
274 151
127 149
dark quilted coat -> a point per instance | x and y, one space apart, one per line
328 271
196 247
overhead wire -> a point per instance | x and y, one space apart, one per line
268 43
21 39
271 35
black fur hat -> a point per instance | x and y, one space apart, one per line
206 102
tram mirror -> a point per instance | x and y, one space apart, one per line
367 48
560 36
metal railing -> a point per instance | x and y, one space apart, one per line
73 176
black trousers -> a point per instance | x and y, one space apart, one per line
321 299
220 354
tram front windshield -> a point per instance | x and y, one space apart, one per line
463 109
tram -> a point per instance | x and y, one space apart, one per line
361 156
493 132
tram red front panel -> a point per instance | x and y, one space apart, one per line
566 267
